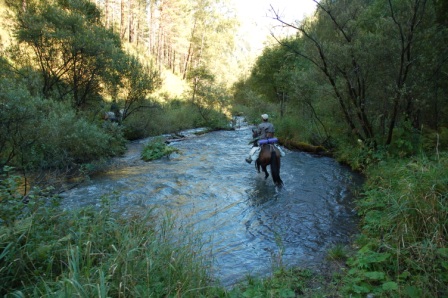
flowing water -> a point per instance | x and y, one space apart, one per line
248 225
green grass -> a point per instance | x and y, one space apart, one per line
283 283
338 252
403 247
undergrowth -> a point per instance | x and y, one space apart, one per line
403 247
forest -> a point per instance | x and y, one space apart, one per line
363 81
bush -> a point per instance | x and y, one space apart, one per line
41 133
157 149
173 117
67 139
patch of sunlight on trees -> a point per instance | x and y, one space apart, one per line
5 33
173 87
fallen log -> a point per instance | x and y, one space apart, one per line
305 147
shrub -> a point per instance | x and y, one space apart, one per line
157 149
40 133
169 118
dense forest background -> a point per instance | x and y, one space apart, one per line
369 73
364 80
167 64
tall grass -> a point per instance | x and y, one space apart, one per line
404 245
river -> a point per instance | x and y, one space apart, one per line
248 225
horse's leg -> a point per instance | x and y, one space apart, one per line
257 165
275 168
265 171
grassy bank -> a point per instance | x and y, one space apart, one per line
403 247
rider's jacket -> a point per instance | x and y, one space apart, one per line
264 128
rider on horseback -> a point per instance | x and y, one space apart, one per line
264 130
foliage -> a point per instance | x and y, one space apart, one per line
338 252
175 116
89 252
210 39
78 59
208 97
43 134
71 48
404 243
21 250
283 283
53 84
156 149
137 83
367 70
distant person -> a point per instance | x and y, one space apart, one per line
264 130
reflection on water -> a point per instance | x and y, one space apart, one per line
247 223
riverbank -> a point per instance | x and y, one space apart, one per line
305 147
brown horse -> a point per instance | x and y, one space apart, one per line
269 155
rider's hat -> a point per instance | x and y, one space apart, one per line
265 116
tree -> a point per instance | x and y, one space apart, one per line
211 38
272 73
137 82
73 51
207 95
371 54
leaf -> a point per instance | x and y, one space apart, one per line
443 252
374 275
405 274
360 289
413 292
390 286
445 265
286 293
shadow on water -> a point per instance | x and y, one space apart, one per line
248 225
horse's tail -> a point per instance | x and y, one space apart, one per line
275 168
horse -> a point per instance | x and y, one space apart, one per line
269 155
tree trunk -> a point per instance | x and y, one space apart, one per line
130 22
122 20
